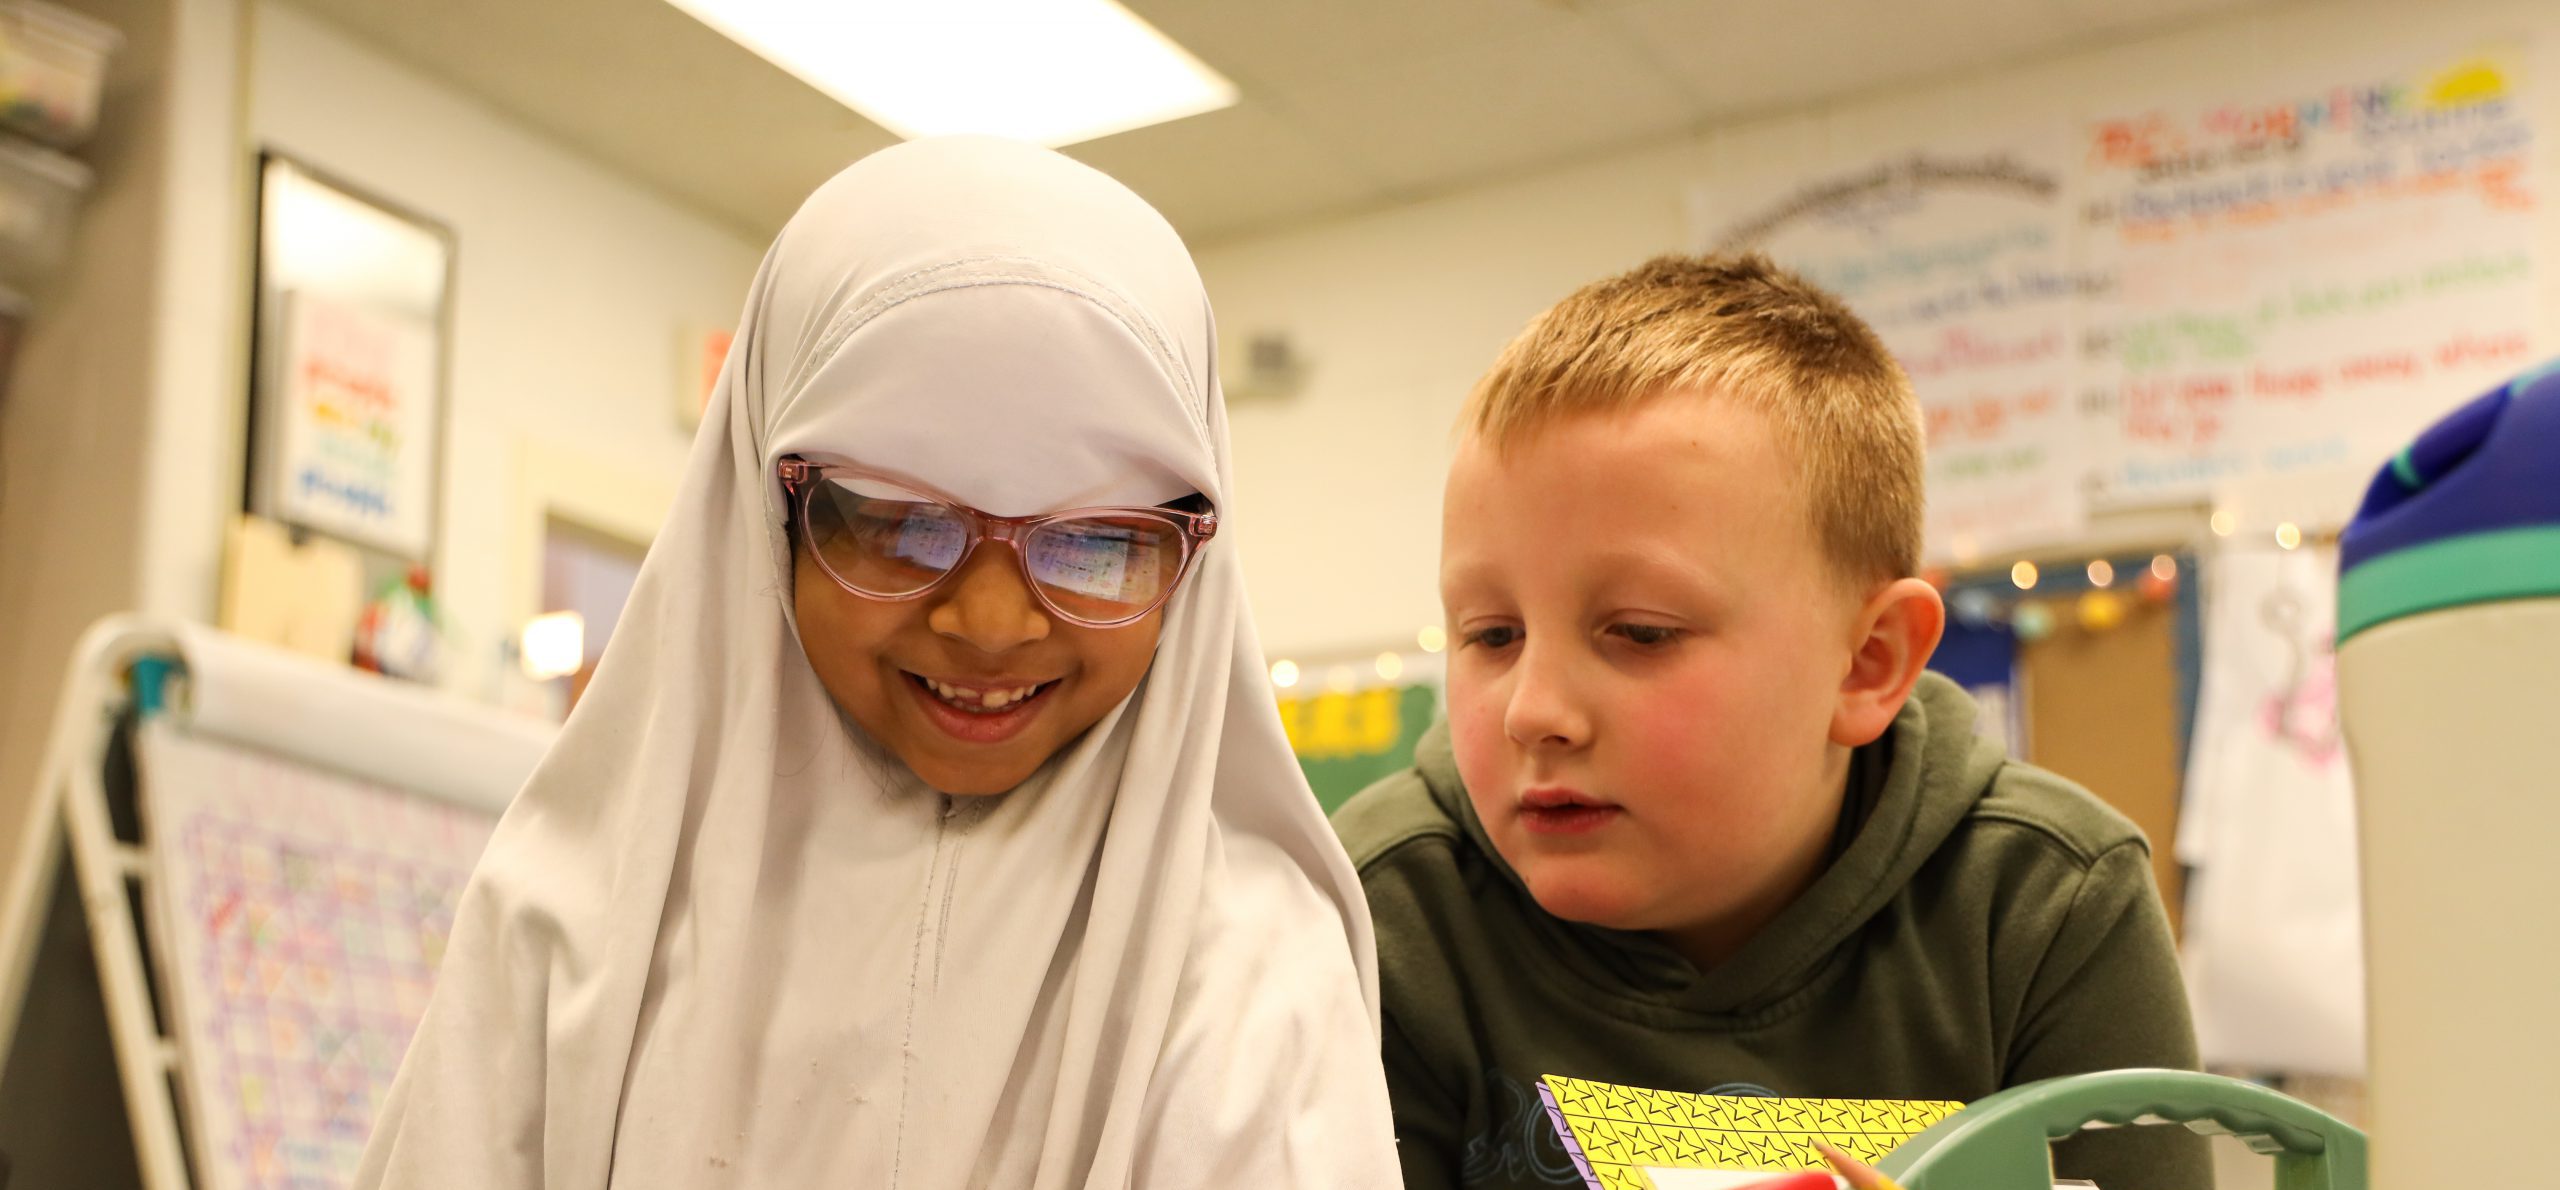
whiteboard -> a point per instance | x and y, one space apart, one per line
299 916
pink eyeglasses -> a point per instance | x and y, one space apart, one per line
880 538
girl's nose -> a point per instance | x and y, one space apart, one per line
987 605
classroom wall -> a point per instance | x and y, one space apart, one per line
572 289
1397 311
116 332
108 342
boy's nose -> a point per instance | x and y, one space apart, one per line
1542 712
987 606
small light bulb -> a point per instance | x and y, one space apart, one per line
1284 674
2288 535
1390 666
553 646
2164 567
1432 638
2224 522
2023 574
2102 573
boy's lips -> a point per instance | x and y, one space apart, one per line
1553 810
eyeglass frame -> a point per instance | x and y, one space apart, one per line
798 476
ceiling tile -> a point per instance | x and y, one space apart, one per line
1225 171
2103 18
638 85
1764 54
1488 106
1263 42
1346 102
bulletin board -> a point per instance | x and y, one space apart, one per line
2104 705
2089 667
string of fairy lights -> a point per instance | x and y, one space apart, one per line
1422 663
2097 596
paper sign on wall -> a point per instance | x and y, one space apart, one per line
1961 260
1347 739
2301 280
355 444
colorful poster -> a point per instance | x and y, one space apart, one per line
2298 281
357 425
1961 260
1348 739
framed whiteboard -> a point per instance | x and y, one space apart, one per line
347 395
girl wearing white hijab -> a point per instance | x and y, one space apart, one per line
748 924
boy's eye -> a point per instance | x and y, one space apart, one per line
1647 635
1500 636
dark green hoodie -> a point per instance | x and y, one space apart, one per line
1983 923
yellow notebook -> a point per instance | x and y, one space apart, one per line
1616 1134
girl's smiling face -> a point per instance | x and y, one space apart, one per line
939 680
1003 400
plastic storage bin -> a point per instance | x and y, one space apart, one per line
52 64
40 193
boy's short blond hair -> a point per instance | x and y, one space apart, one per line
1739 328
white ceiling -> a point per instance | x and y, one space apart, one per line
1346 103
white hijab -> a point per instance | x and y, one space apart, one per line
721 939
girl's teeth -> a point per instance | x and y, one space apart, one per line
986 700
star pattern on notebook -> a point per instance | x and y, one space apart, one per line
1619 1132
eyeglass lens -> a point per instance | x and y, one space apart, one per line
882 540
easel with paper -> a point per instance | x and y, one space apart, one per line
264 898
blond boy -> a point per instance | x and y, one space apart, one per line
1699 819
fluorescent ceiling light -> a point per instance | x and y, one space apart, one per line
1053 72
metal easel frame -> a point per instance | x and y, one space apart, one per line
112 669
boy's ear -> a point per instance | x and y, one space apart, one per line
1897 630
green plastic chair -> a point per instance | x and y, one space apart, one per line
2003 1142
